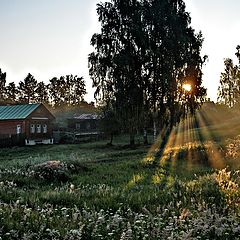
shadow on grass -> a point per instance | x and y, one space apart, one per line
184 151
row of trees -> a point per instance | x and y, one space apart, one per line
144 55
66 90
229 88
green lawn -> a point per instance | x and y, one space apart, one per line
118 192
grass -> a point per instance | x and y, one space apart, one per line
106 165
149 186
116 167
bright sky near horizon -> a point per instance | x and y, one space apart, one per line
51 38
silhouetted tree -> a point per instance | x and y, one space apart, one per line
173 59
2 85
229 89
69 90
115 66
12 92
75 90
145 52
109 123
56 92
27 89
238 53
42 93
78 90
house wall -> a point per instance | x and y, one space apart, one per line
83 125
36 134
9 127
40 116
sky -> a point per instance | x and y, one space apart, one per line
219 21
51 38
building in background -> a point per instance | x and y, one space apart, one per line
28 124
85 125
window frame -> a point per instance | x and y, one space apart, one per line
18 129
45 128
32 128
38 128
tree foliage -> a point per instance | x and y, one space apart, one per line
145 52
42 93
238 53
229 87
69 90
27 89
109 123
2 84
12 92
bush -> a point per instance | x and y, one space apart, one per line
51 171
233 148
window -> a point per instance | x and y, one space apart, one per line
18 129
44 128
78 125
32 129
38 128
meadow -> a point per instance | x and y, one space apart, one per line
185 187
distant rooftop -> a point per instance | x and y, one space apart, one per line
86 116
11 112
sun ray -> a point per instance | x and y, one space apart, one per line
215 157
190 147
154 149
189 142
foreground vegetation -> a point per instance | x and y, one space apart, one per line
93 191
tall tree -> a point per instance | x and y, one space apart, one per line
75 90
109 123
78 90
42 93
114 67
238 53
229 88
69 90
27 89
56 92
2 84
145 51
12 92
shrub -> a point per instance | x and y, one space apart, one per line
233 148
51 171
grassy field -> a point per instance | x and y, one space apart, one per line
177 189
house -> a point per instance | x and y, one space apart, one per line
31 122
85 124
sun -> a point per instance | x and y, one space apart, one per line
187 87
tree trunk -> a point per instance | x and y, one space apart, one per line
154 130
132 139
154 124
111 139
145 138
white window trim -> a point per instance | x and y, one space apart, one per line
45 128
18 129
38 128
39 118
32 128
